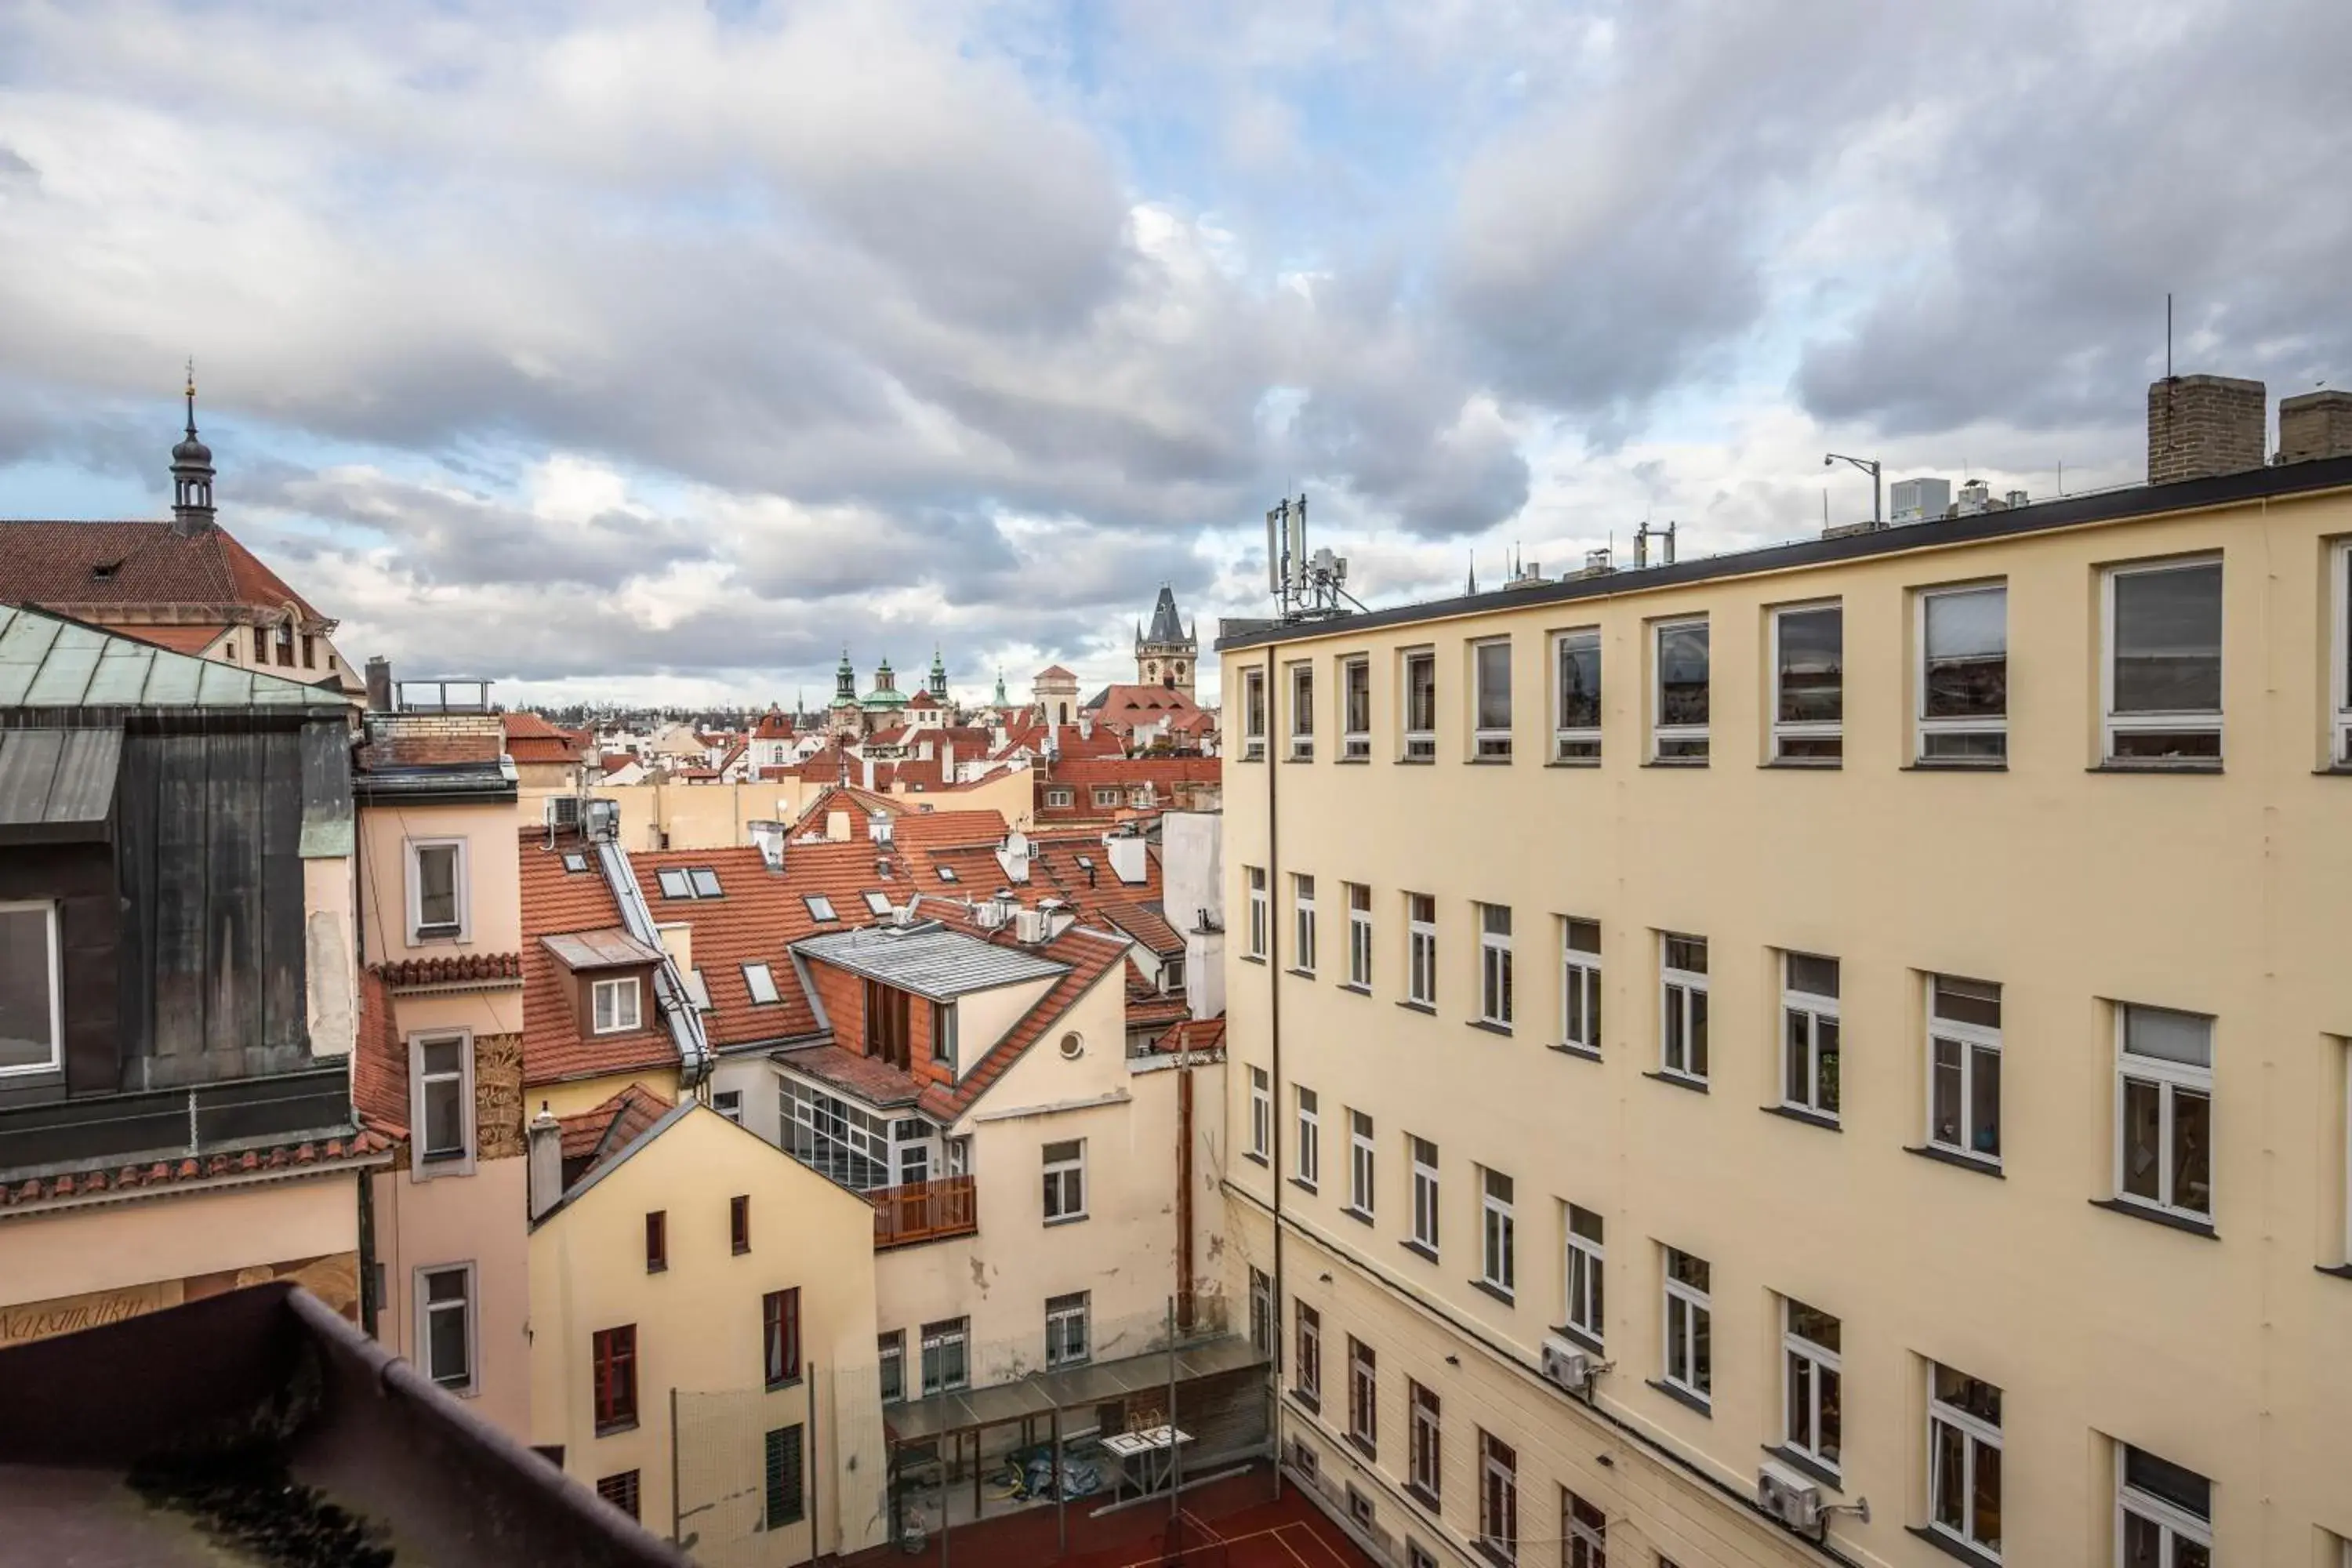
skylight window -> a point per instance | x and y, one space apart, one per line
947 874
820 908
763 982
689 883
705 882
674 884
876 903
1085 862
575 861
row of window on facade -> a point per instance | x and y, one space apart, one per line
2164 1057
2164 1510
2161 681
276 644
1105 797
944 1348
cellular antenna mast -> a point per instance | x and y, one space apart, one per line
1305 587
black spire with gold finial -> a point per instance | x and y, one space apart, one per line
192 473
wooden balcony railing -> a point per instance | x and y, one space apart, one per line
924 1211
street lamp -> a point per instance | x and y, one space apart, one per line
1869 466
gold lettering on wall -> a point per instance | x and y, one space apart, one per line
498 1096
332 1278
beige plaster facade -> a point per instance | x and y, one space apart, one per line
674 816
2220 1342
699 1327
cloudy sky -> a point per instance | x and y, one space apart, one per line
655 350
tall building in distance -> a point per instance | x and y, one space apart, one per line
1167 653
1570 1220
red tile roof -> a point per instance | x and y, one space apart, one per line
1145 924
531 739
591 1137
1128 706
774 725
871 1078
556 902
146 565
192 639
1055 672
1090 956
284 1159
1193 1035
457 969
379 1063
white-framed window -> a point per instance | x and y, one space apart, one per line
1424 1192
2161 676
1576 696
1499 1499
442 1091
1808 1034
890 1358
760 980
1363 1395
1962 687
2339 670
1253 716
1690 1325
1302 711
1261 1112
1813 1391
1261 1310
1585 1260
615 1005
2164 1111
1498 1233
1302 908
444 1325
1360 935
1308 1167
1065 1180
2163 1513
1259 932
436 889
1490 693
1421 949
728 1103
1583 1532
1678 690
1809 683
1426 1469
1356 708
1682 1007
1418 692
947 1359
1964 1067
1065 1330
1580 984
1060 796
1494 965
1106 797
1964 1459
1306 1376
1362 1196
32 988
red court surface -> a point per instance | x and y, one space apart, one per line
1256 1532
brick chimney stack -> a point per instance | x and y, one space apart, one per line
2316 424
2202 426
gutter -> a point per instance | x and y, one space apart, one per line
677 1009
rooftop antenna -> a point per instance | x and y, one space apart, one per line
2168 334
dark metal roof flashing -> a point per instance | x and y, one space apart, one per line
2278 481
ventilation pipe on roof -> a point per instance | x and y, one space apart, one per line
546 1157
378 684
1058 917
768 838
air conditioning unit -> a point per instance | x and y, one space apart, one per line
1570 1366
1789 1497
1029 926
563 811
601 820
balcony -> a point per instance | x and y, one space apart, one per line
924 1211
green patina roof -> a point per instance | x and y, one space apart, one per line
47 662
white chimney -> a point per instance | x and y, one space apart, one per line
768 838
866 766
1012 856
1127 856
1058 916
836 827
546 1173
1029 926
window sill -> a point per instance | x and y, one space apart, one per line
1418 1007
1955 1158
2157 1216
1489 1026
1352 761
1676 762
1364 1446
1573 763
614 1428
1296 757
1488 761
2154 765
658 1267
1424 1496
742 1251
1300 974
2334 1270
1798 1113
1419 1249
1682 1397
442 1157
1569 1049
1252 958
1952 1548
1806 1465
1310 1402
1417 761
1303 1184
1362 1216
1695 1086
1066 1219
1496 1291
783 1383
1255 1158
1355 990
1953 765
1577 1336
1802 764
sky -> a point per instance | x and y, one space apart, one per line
658 351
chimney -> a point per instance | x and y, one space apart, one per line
867 765
378 684
947 761
1128 858
2200 426
546 1160
768 838
2314 424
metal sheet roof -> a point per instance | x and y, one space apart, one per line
612 948
56 786
1072 1388
928 960
46 662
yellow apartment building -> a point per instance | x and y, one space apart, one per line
1555 908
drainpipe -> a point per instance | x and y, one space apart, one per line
1274 1040
677 1009
1184 1306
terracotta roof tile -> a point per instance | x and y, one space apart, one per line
144 564
456 969
871 1078
557 902
378 1064
179 638
361 1146
1193 1035
591 1137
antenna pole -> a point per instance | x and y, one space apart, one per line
2168 334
